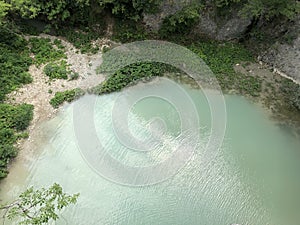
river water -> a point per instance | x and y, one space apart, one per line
253 178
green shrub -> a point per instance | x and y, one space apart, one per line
14 62
66 96
13 119
44 52
133 9
7 152
128 31
81 39
181 22
58 44
4 7
14 65
74 76
132 73
269 9
105 49
11 40
57 71
266 9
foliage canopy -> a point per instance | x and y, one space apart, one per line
39 206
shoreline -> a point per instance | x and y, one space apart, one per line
37 92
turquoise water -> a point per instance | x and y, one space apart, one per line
252 179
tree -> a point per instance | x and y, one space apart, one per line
4 7
38 206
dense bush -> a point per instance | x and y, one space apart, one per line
78 12
13 119
44 51
83 12
54 12
132 73
11 40
66 96
4 7
57 71
14 62
14 65
16 117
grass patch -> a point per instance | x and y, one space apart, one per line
249 85
221 59
291 91
66 96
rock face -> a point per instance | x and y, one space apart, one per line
286 57
168 7
233 28
221 30
208 26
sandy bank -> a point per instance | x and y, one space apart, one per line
38 92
